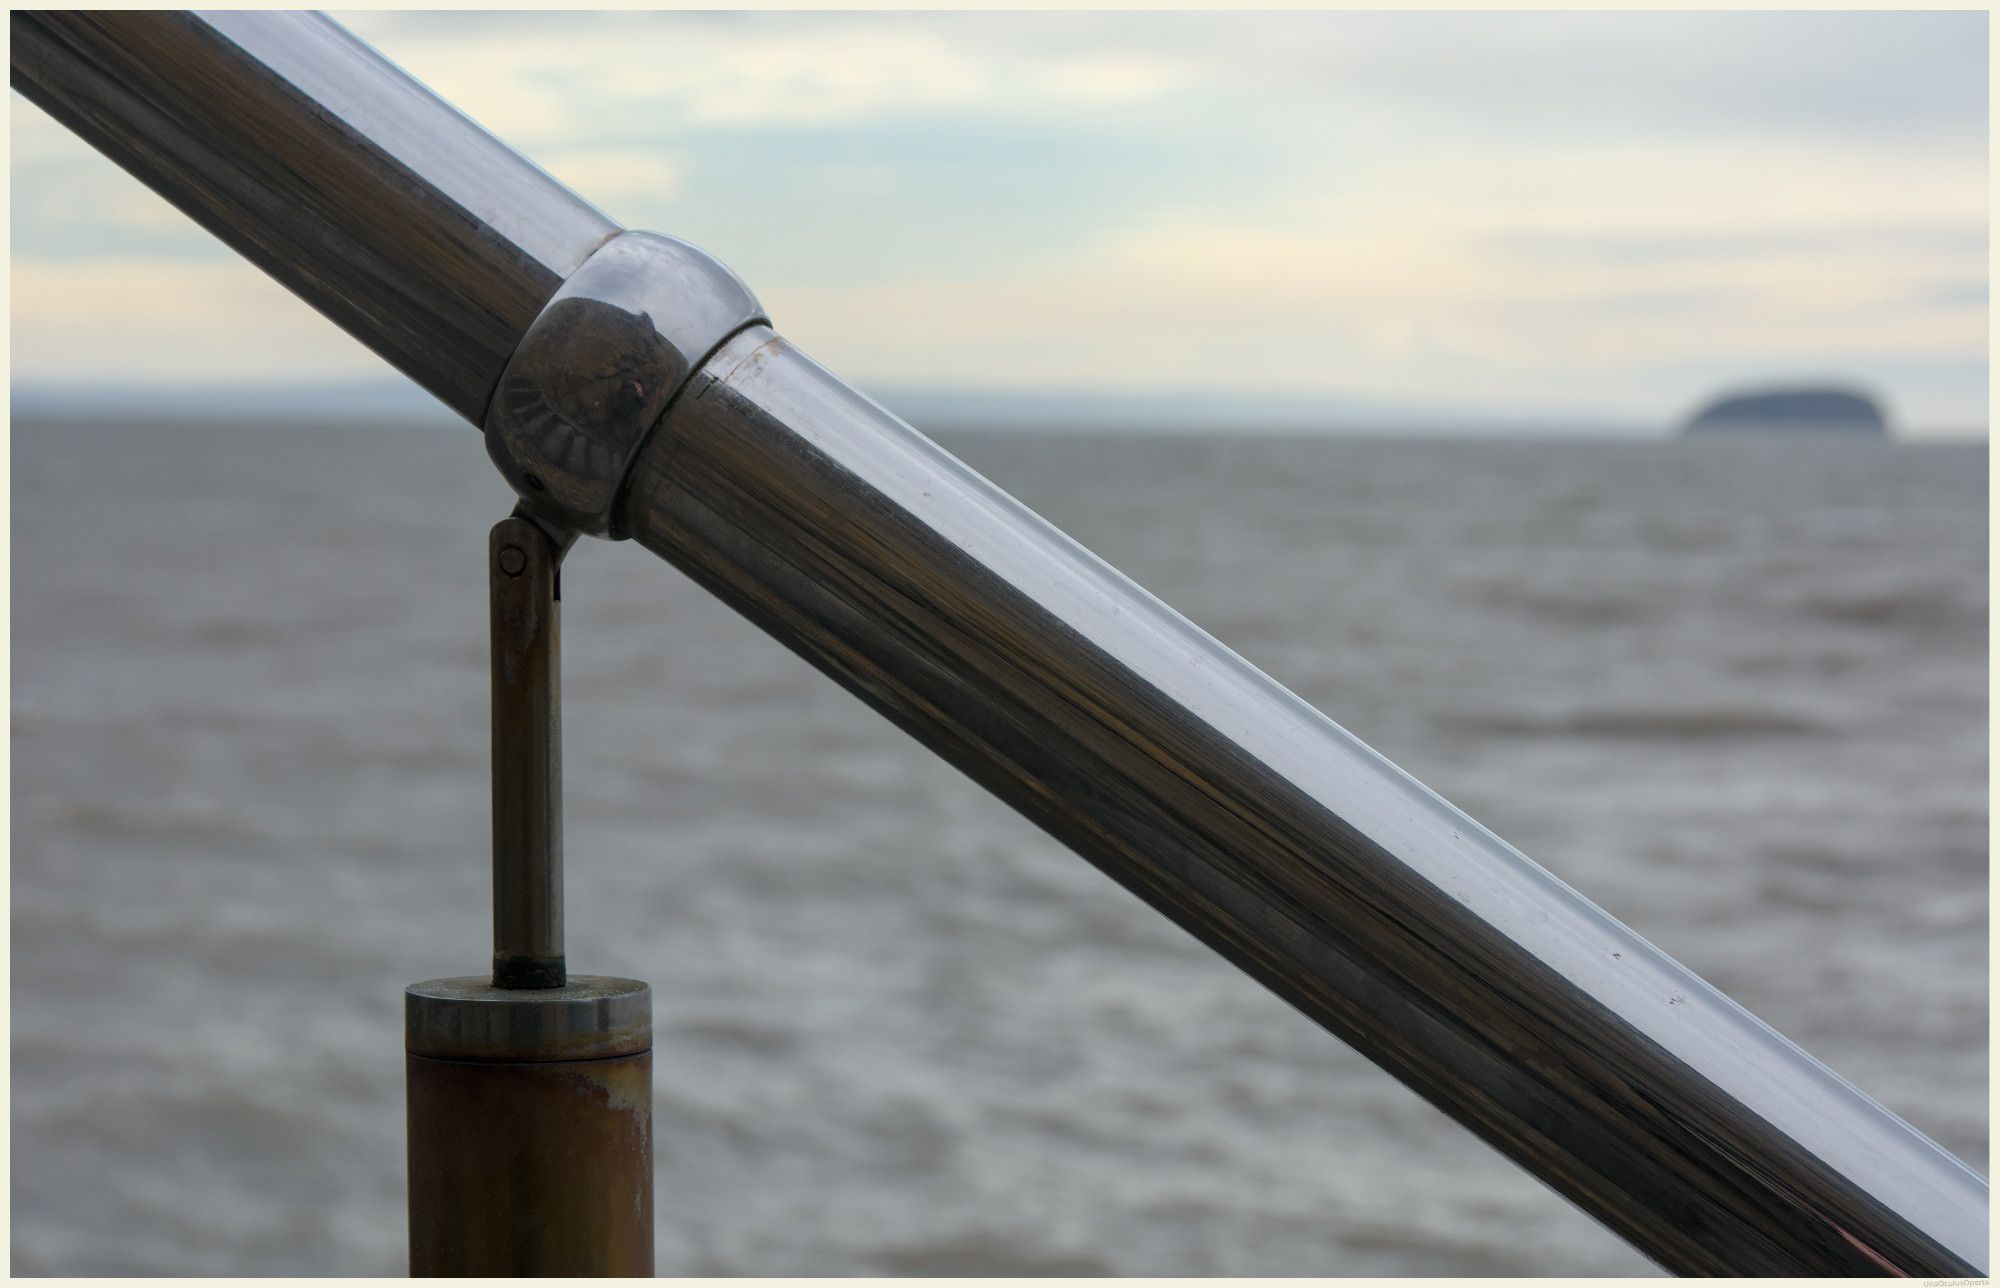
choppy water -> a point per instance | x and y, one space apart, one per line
1736 692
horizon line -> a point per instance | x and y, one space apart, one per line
963 407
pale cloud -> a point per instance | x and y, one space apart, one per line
614 175
1113 80
677 72
171 322
34 138
1554 211
140 208
68 201
1386 297
839 78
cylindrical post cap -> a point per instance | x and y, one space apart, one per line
466 1018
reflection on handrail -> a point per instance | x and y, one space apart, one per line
1492 989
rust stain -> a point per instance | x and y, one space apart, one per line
531 1169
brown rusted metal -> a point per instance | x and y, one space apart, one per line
531 1169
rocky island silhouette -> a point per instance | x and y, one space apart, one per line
1797 410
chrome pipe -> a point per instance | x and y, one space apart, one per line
1273 835
524 626
368 196
650 399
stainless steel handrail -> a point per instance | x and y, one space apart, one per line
1494 990
370 197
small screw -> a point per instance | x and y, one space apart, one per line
513 560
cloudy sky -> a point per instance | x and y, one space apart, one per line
1568 215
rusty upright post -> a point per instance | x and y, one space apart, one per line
530 1094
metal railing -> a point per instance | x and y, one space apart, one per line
629 386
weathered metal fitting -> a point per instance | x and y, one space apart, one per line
598 367
465 1018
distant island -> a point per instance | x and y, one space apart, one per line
1791 411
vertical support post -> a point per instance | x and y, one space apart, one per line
530 1092
525 617
530 1128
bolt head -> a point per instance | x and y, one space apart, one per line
513 560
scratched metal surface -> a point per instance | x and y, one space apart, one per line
315 158
1523 1011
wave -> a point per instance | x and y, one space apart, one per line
1570 606
1919 605
1640 722
180 821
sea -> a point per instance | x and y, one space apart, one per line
1734 691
